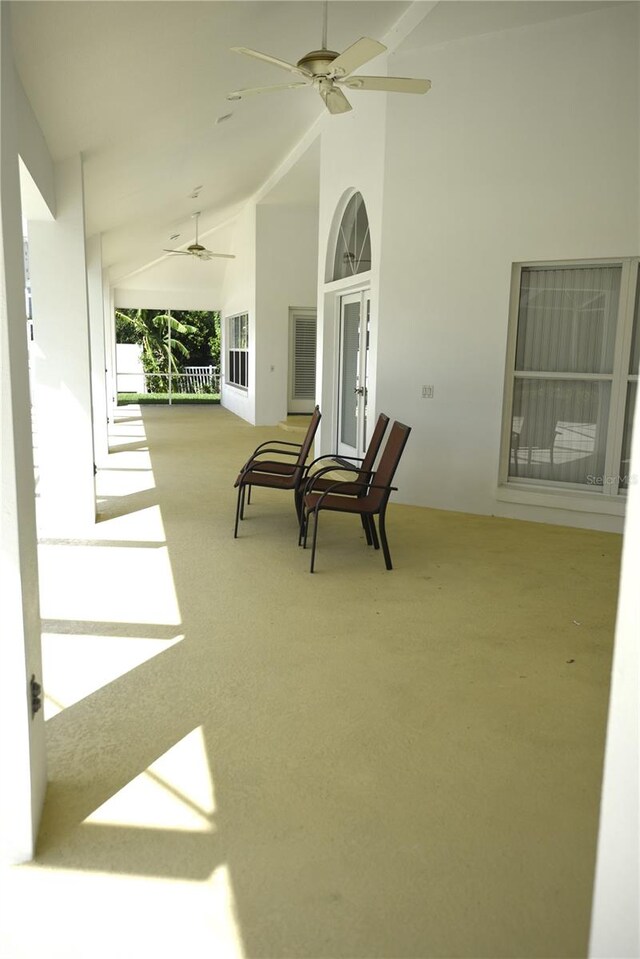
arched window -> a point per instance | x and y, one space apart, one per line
353 246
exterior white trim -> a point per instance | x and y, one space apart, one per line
556 499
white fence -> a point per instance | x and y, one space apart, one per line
198 379
193 379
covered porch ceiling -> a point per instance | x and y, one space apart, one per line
139 89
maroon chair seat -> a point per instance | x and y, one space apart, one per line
376 490
319 479
259 470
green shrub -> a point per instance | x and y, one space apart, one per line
162 399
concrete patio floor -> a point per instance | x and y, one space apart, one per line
246 760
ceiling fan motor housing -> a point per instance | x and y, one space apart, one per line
318 62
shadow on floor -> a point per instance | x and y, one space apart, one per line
403 763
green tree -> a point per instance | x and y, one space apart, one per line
151 331
215 341
204 342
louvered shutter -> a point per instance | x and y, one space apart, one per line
304 364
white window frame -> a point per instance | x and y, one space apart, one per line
607 498
342 244
235 351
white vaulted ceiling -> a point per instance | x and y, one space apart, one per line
139 89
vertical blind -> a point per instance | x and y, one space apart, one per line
566 325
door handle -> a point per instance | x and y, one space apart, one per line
359 390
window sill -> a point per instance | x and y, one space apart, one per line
556 499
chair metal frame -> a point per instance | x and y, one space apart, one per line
275 474
372 501
318 481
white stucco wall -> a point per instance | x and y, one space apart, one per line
286 275
525 149
95 295
166 298
61 370
239 296
108 311
40 203
174 283
22 737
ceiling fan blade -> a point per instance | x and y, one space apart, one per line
335 100
291 67
249 91
201 254
387 84
355 56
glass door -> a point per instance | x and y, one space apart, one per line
353 379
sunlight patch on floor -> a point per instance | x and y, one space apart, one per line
107 914
78 664
175 792
81 914
119 575
109 604
117 584
128 480
141 524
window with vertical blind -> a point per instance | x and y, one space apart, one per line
237 373
572 376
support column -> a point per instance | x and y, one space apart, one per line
615 919
98 359
22 746
110 347
61 360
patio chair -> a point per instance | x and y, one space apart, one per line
261 470
377 489
322 477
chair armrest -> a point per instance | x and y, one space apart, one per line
330 469
279 442
332 456
254 459
255 467
366 486
271 443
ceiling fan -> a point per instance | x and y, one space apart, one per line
327 71
196 249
